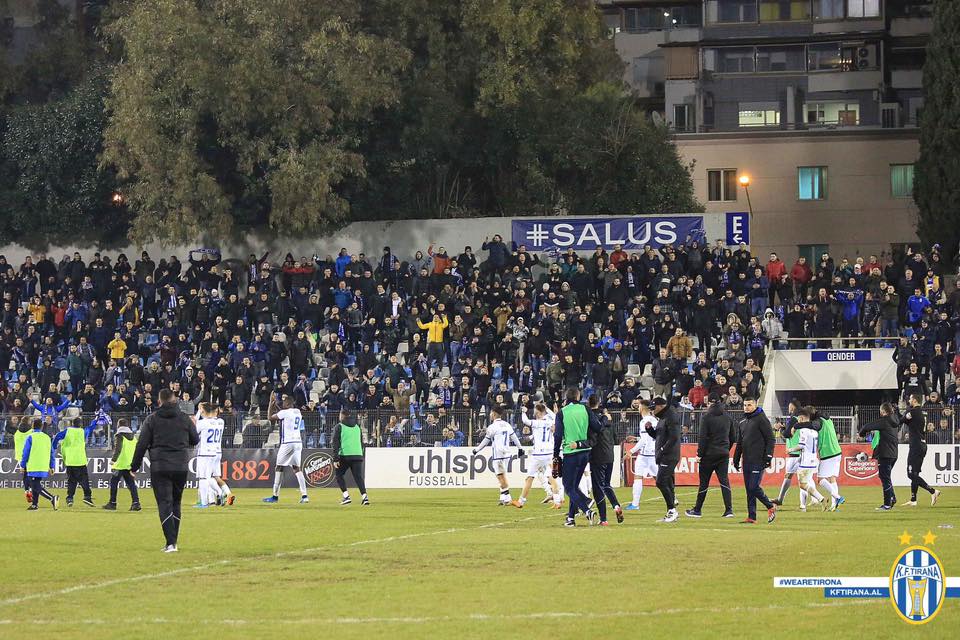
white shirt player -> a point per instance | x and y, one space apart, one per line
646 445
211 434
291 424
501 436
808 443
542 431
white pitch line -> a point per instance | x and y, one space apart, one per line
281 554
473 617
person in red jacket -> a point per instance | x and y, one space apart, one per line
697 394
60 318
801 275
618 256
441 260
775 272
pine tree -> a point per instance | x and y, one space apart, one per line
937 179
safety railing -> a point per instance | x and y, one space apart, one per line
439 427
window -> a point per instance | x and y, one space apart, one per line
685 16
648 72
722 185
863 8
824 56
780 59
683 117
736 10
643 19
834 112
659 18
783 10
901 180
812 183
729 60
759 114
828 9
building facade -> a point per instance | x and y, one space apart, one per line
816 101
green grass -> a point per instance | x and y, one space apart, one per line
450 563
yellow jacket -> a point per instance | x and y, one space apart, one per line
434 329
38 311
118 349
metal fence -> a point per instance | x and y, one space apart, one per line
462 427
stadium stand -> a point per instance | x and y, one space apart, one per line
420 346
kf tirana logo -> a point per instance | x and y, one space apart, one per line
916 587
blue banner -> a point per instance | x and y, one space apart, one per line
738 228
850 355
586 234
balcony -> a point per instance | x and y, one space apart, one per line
906 78
906 27
844 81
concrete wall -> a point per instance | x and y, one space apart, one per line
859 215
404 237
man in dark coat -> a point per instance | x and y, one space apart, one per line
167 437
755 450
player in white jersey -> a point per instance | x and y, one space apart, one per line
291 446
503 439
541 458
807 446
212 488
644 455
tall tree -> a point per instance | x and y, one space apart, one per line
937 180
51 128
227 110
56 188
495 107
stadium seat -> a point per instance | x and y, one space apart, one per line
633 371
273 439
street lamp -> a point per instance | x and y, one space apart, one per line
745 183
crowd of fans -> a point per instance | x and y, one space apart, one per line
419 342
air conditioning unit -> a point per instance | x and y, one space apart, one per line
866 57
890 115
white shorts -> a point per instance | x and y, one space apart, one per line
645 467
829 468
208 467
793 464
288 455
499 465
540 465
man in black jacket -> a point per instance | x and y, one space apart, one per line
916 421
666 453
755 449
717 435
167 436
601 442
885 434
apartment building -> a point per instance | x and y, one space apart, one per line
815 101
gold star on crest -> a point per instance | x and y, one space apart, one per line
929 539
906 538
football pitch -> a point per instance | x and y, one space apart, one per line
452 564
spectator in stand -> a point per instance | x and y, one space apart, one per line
776 273
697 395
